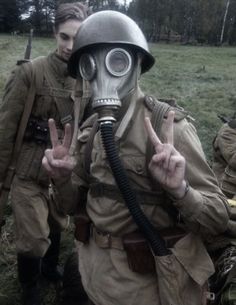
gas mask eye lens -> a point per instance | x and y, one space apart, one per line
87 66
118 62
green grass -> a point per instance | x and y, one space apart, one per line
201 79
12 49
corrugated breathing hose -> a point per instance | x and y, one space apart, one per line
155 240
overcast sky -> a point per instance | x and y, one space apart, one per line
122 1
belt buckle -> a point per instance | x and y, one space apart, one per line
104 240
109 240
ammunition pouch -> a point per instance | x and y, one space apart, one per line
82 227
37 130
139 256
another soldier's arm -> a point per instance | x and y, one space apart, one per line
204 207
11 108
226 141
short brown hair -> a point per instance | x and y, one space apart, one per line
67 11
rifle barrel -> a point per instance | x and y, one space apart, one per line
28 47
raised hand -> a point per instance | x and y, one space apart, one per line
57 160
167 165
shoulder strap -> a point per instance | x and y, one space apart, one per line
37 67
93 122
160 108
22 126
25 115
89 147
80 97
65 109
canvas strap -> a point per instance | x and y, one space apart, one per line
21 130
59 94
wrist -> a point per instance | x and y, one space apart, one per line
60 181
181 192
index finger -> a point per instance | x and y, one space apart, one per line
151 133
169 127
53 132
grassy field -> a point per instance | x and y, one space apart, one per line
201 79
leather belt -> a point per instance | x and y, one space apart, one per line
106 240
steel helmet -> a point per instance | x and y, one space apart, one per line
109 27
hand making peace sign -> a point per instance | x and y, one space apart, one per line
57 160
167 165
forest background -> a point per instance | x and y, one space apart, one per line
187 21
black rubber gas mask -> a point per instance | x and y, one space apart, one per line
112 73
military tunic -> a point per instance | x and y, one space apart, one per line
104 269
224 159
29 194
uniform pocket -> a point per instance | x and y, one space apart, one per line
30 161
136 169
184 273
229 180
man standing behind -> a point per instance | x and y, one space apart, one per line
38 224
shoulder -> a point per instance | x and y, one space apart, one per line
232 124
89 122
227 129
38 62
27 69
20 74
161 106
165 105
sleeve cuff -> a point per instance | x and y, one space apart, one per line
61 181
191 204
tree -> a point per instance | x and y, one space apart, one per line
97 5
224 20
9 15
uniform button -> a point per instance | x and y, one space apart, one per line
139 169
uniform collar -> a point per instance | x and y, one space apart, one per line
58 65
132 100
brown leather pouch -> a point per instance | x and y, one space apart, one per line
139 255
82 227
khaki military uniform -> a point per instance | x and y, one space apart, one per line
29 194
224 158
103 263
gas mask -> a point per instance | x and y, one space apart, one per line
113 73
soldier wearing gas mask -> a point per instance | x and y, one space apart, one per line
139 219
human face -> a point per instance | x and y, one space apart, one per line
65 36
